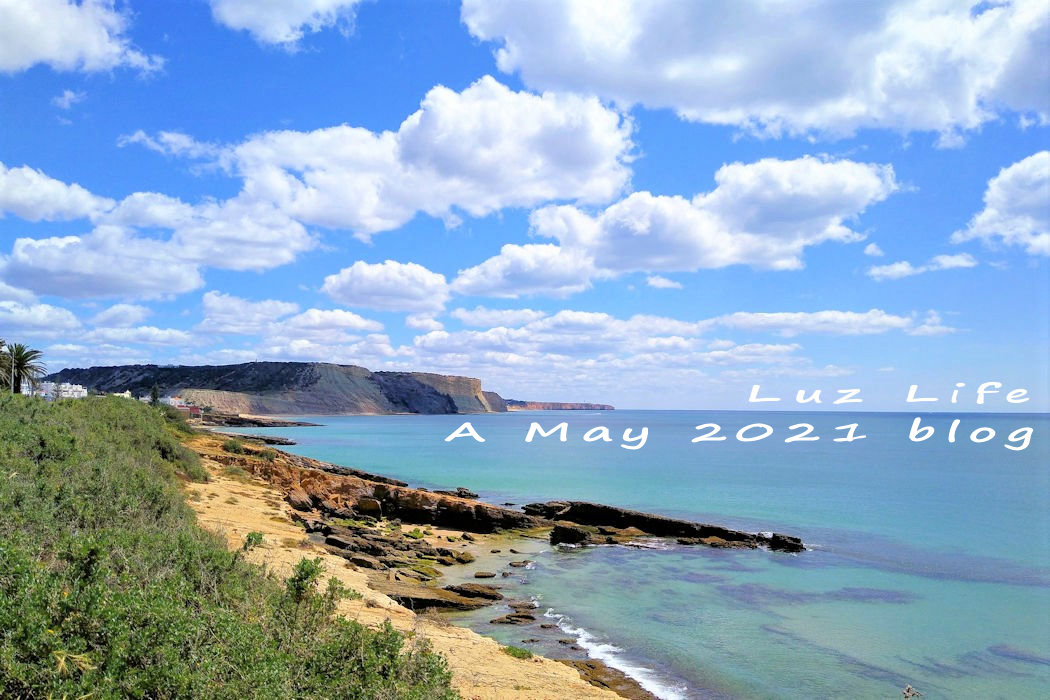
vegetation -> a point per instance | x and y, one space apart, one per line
517 652
108 589
28 369
234 447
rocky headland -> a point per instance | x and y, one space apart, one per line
516 405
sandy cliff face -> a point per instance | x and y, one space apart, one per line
291 388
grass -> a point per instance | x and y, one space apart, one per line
517 652
108 589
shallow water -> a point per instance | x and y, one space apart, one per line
929 562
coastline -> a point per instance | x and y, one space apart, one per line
573 523
234 504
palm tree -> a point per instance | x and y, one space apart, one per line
27 366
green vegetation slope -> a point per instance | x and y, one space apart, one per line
109 589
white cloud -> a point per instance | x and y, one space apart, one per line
483 317
932 325
37 320
660 282
9 293
171 143
224 313
904 268
149 335
33 196
68 98
906 65
282 22
326 321
388 286
75 355
1016 210
477 151
112 260
121 315
528 269
106 263
423 322
873 250
762 214
90 36
789 324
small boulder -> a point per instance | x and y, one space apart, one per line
514 619
484 574
476 590
464 557
568 534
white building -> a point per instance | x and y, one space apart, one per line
122 394
52 391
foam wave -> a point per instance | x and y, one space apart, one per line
611 655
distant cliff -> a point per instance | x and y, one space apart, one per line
290 388
514 405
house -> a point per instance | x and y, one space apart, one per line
189 411
53 391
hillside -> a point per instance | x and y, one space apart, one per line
290 388
109 589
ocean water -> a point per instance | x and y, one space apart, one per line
929 563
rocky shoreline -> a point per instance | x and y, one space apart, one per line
405 539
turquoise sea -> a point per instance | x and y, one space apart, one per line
929 563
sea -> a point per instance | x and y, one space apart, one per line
927 563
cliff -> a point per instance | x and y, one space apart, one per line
515 405
290 388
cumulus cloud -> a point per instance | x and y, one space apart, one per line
762 214
114 260
873 250
476 151
281 22
906 65
105 263
423 322
904 268
225 313
1015 211
528 269
148 335
121 315
89 36
660 282
31 195
483 317
388 286
37 320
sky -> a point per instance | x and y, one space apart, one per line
653 204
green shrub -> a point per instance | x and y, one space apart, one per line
108 589
517 652
234 446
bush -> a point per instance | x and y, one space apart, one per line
517 652
234 446
109 589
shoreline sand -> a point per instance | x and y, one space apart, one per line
234 504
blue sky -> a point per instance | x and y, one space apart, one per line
654 205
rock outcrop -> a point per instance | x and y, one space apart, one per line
347 493
603 524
